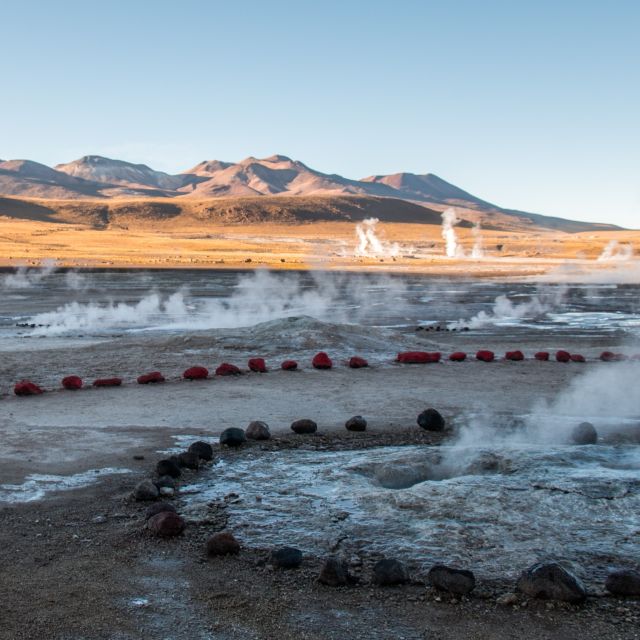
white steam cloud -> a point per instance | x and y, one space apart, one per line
369 245
25 278
616 252
452 248
478 250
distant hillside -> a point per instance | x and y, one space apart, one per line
105 179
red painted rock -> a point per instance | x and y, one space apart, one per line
485 356
258 365
576 357
289 365
196 373
357 362
222 544
418 357
543 356
458 356
151 378
72 383
607 356
321 361
27 388
515 356
226 369
166 524
107 382
563 356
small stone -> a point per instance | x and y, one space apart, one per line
389 572
189 460
455 581
431 420
157 508
165 481
357 423
232 437
334 573
166 492
624 582
551 582
584 433
72 383
166 524
286 558
321 361
222 544
258 430
196 373
99 520
507 599
304 426
168 467
202 449
145 490
138 457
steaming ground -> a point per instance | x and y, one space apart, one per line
502 490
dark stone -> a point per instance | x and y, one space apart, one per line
158 507
202 449
584 433
456 581
389 572
624 582
222 544
304 426
168 467
357 363
258 430
165 481
145 490
335 573
232 437
431 420
551 582
286 558
166 524
357 423
72 383
189 460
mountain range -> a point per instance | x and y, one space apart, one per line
97 177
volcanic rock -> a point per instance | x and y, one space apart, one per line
321 361
145 490
584 433
222 544
334 573
258 430
289 365
389 572
166 524
168 467
189 460
226 369
563 356
624 582
257 365
304 426
27 388
202 449
458 356
485 356
107 382
431 420
232 437
286 558
72 383
165 482
357 363
551 582
357 423
158 507
456 581
151 378
196 373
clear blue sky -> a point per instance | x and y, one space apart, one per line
532 105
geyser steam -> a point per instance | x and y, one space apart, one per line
449 220
370 245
